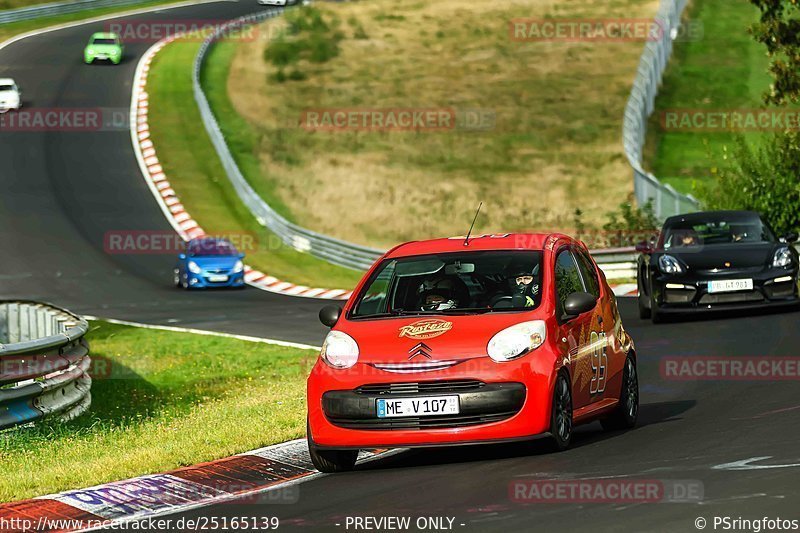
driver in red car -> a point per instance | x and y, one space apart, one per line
441 294
521 288
525 288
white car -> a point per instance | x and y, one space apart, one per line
10 97
273 2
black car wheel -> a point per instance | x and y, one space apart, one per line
626 413
561 415
642 299
330 461
655 315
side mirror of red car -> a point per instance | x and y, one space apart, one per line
578 303
329 315
643 247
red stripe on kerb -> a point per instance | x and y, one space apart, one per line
240 473
44 510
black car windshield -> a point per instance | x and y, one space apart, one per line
104 40
6 88
453 283
715 230
210 247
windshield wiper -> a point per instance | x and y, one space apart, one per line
465 310
397 312
414 312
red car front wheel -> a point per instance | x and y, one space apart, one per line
330 461
561 415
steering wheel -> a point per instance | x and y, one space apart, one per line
501 302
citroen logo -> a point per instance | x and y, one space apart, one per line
420 349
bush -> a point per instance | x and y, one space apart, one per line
278 77
297 75
626 226
763 178
381 16
630 224
360 33
310 37
282 53
322 49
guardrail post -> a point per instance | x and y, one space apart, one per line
3 324
13 323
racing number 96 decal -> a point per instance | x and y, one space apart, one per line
598 344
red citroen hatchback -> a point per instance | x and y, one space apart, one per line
454 341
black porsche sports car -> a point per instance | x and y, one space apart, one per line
716 260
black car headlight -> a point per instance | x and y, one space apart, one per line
782 258
670 265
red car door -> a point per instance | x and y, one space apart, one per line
607 356
577 334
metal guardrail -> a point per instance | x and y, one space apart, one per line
330 249
616 263
59 8
44 363
666 200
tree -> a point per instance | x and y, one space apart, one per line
779 30
630 224
765 177
761 178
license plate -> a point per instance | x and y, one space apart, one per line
425 406
730 285
217 278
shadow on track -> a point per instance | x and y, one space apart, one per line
649 414
719 315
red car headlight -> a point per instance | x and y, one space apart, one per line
339 350
517 340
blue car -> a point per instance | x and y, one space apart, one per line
209 262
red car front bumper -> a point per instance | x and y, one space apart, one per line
525 386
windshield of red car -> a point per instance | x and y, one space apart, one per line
453 283
717 230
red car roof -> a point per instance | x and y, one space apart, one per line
507 241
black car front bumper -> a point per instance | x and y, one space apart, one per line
689 293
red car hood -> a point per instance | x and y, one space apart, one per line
392 340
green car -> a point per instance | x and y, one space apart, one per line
103 46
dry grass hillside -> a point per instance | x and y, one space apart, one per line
555 145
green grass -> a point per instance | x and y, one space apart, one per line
16 4
195 172
726 69
10 30
173 399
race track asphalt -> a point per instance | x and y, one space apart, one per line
686 429
62 191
